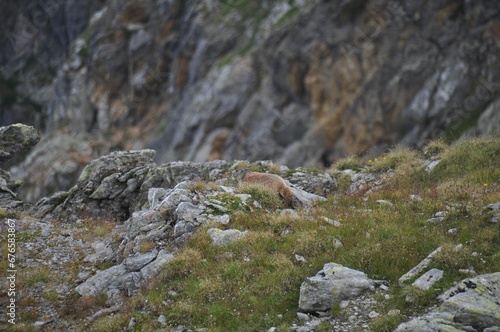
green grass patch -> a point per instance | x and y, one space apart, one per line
266 197
40 274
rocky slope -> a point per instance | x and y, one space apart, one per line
87 258
299 82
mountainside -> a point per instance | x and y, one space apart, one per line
300 82
407 241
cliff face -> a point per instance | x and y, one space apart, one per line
299 82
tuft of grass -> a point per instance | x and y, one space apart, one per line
115 323
202 186
386 323
266 197
50 295
351 162
434 148
93 228
147 246
399 157
40 274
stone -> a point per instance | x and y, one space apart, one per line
162 320
153 268
131 274
473 303
16 139
223 238
102 252
335 223
493 206
300 259
419 268
333 284
384 202
337 244
428 279
136 263
303 316
430 165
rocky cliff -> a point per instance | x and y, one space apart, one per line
299 82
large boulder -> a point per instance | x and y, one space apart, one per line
333 284
472 305
16 139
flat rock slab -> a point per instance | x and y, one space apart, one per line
428 279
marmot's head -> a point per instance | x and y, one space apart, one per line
239 174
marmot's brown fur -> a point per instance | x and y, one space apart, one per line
271 181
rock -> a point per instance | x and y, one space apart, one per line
300 259
153 268
16 139
473 303
428 279
115 179
431 164
129 275
332 285
414 197
337 244
223 238
419 268
103 252
306 198
289 213
384 202
493 206
162 320
133 264
335 223
302 316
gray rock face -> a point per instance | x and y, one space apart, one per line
108 187
472 305
14 140
331 285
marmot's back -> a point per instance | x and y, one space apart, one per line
273 182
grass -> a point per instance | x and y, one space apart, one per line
266 197
253 284
41 274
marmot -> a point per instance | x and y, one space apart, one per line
271 181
